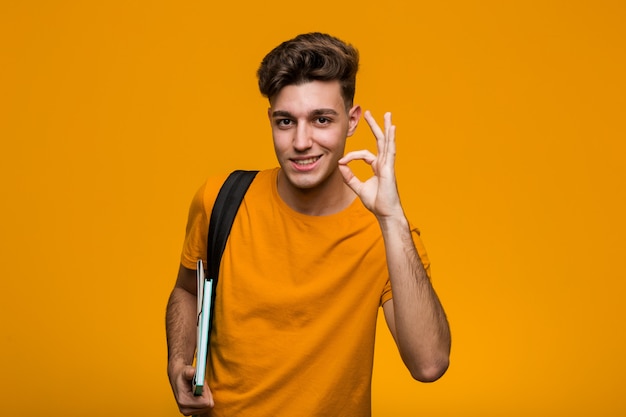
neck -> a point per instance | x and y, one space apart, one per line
325 199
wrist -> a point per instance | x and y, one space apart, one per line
393 223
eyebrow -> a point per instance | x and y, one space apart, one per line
316 112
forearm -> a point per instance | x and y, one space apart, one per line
420 324
181 327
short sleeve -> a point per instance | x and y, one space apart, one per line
194 246
197 231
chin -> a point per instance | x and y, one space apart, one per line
304 181
304 184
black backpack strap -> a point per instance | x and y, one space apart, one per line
223 214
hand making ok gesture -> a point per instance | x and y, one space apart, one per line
379 193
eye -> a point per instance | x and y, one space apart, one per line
284 122
323 120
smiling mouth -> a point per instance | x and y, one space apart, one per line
308 161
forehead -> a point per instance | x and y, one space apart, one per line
308 97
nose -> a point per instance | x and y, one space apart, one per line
302 137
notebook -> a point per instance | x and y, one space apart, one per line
205 289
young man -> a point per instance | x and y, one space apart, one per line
312 255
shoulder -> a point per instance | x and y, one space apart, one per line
205 196
263 184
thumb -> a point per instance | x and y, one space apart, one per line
189 372
350 179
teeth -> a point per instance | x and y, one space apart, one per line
306 161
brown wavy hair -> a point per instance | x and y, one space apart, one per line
309 57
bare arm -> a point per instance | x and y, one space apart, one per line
415 316
181 331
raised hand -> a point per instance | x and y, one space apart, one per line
379 193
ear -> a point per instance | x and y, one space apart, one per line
354 115
269 114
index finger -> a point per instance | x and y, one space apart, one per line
376 130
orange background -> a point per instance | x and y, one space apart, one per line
511 160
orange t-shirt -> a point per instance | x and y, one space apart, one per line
296 307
